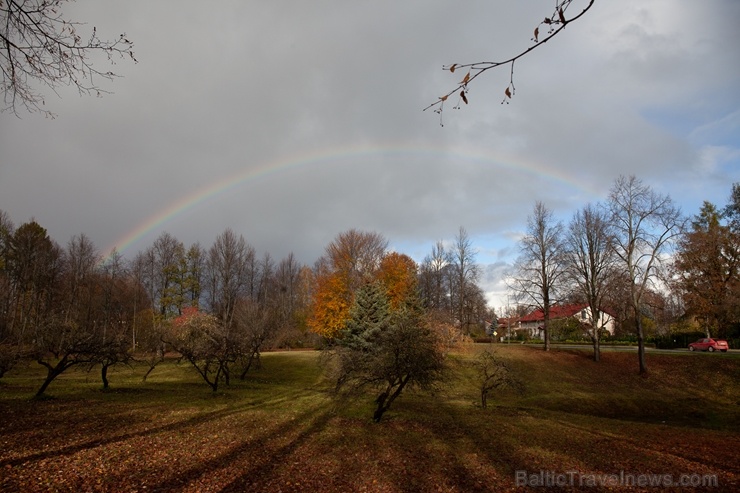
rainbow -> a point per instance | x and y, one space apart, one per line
340 155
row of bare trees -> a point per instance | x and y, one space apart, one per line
71 307
448 285
624 252
216 307
61 306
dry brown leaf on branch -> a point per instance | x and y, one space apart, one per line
464 98
452 67
466 79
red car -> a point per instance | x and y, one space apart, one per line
710 345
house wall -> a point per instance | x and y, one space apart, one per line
605 320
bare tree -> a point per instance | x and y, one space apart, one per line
433 280
465 275
552 25
33 265
266 284
590 263
494 373
9 343
38 46
80 262
205 342
195 259
286 280
356 255
230 273
538 271
646 223
164 280
86 327
146 328
254 325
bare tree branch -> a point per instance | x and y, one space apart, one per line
39 47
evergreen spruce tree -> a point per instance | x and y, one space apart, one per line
387 349
368 317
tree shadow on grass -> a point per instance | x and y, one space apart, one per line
514 441
257 473
167 476
73 449
259 453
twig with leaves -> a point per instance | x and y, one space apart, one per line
552 24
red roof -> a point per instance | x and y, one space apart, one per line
506 322
556 311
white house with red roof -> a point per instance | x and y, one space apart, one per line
533 322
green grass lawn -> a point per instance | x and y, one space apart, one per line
281 429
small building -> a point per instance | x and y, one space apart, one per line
507 327
533 322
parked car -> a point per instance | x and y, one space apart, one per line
709 344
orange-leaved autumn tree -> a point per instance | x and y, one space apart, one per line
398 274
331 303
350 261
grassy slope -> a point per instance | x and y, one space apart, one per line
280 429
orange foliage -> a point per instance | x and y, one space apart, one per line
332 301
334 294
398 274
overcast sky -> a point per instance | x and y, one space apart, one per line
292 121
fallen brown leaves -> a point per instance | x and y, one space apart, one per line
263 437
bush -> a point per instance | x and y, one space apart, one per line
674 341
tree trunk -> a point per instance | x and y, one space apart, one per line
153 362
104 375
381 406
213 384
52 372
385 399
640 345
247 367
151 369
227 376
597 348
49 378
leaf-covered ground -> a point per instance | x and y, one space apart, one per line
281 431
